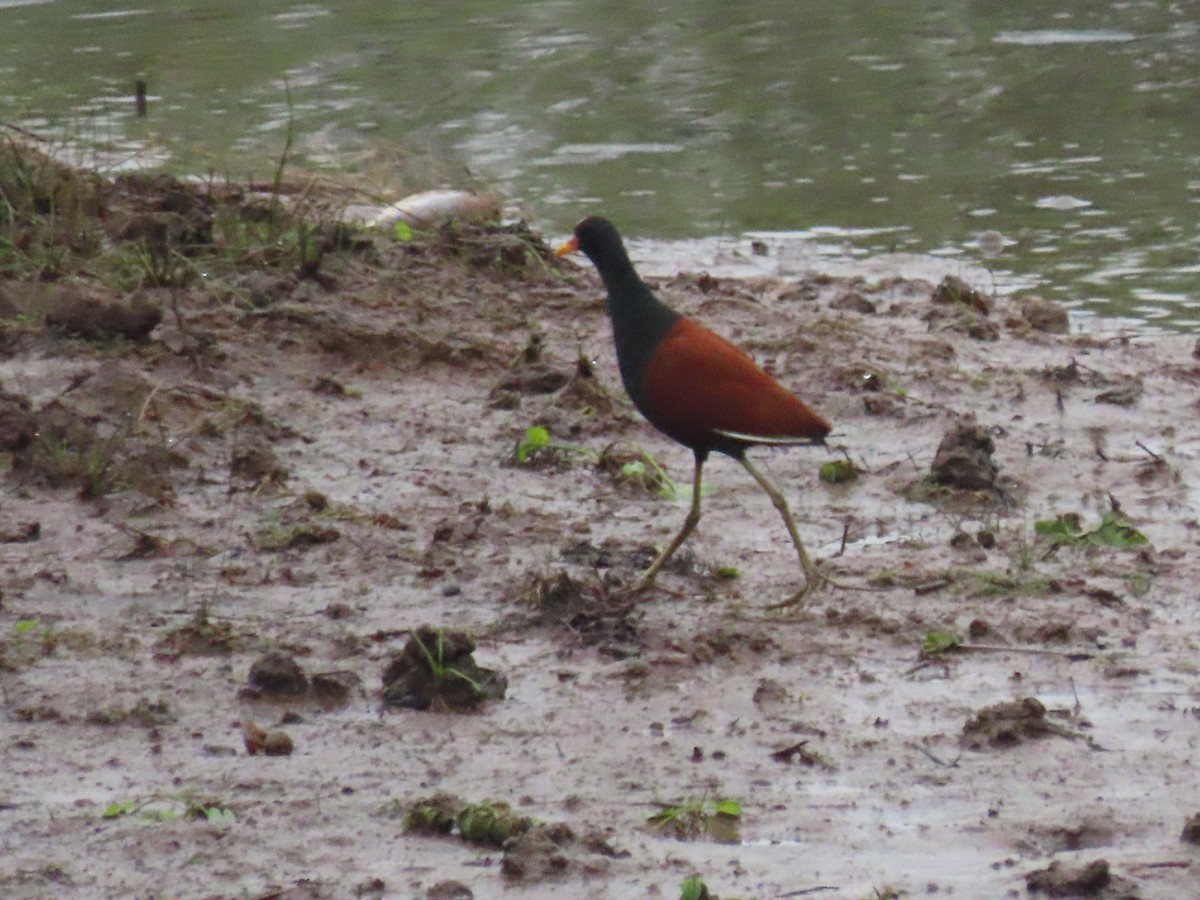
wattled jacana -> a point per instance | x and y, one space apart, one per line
693 385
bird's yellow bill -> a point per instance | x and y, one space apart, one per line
571 245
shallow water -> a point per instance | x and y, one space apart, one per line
909 128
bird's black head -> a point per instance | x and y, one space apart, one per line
600 241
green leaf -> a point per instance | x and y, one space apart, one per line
635 470
693 888
727 572
402 231
728 808
218 815
117 809
1113 531
24 626
940 642
1064 529
536 438
1116 532
840 471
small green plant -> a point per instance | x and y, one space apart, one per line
437 665
1139 584
491 823
402 231
840 471
536 438
32 639
170 808
537 448
727 573
937 643
694 888
432 815
1113 531
651 476
718 819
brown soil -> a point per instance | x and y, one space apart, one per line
325 445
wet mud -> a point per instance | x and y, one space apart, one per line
223 533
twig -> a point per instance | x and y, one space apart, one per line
939 761
1150 452
1072 656
149 399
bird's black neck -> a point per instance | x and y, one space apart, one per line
640 321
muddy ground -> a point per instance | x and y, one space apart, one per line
304 451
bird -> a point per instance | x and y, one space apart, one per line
695 387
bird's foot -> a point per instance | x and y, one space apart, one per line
815 579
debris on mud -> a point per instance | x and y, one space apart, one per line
18 427
533 851
592 615
200 635
1091 880
692 819
491 823
1191 830
276 675
95 319
434 815
1046 316
436 670
964 459
449 890
959 307
799 752
276 538
20 532
269 743
1127 392
633 470
553 852
952 291
1009 724
254 460
333 690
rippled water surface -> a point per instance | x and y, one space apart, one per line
1070 129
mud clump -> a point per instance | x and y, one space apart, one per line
436 670
1042 315
333 690
20 532
165 213
276 675
491 823
595 617
18 427
1191 830
1057 880
953 291
1007 725
548 852
252 459
87 317
964 459
269 743
449 890
434 815
959 307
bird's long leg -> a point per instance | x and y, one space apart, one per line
812 577
689 525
